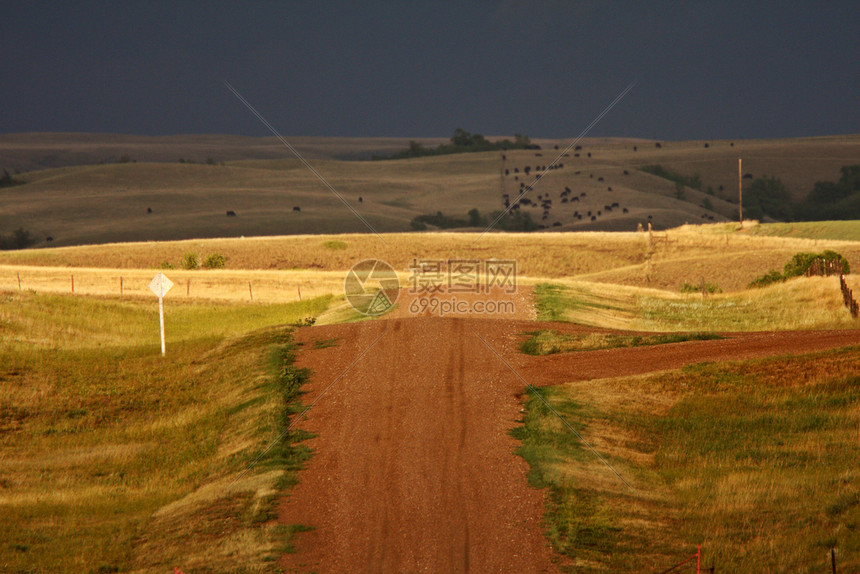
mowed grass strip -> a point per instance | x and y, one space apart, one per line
116 459
798 304
548 342
756 461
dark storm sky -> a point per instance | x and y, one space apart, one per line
704 70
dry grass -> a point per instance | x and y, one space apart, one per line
664 260
116 459
756 461
108 203
799 304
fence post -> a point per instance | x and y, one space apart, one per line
73 283
120 285
299 287
19 280
188 287
833 559
251 291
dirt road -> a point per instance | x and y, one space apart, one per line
413 468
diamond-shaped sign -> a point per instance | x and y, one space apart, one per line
160 285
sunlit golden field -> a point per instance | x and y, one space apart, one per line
116 459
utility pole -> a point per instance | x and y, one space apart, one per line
740 194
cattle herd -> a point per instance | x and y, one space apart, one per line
588 209
544 200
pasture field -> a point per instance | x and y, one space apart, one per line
115 459
719 253
755 460
78 200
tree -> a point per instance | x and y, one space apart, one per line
768 196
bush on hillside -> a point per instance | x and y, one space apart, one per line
189 261
214 261
18 239
798 265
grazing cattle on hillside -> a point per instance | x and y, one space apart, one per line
582 194
626 172
657 144
599 179
589 154
516 170
593 218
231 214
564 200
624 210
507 172
149 210
296 208
49 239
615 204
538 155
577 148
574 198
577 172
360 199
609 188
557 224
748 176
707 145
635 148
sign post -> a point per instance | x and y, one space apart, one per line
160 285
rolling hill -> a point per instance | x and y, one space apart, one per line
91 188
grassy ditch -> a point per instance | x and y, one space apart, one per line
548 342
116 459
755 461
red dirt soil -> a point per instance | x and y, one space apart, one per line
413 467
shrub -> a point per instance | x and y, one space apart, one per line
798 265
214 261
167 265
335 245
691 288
18 239
189 261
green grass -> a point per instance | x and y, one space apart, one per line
117 459
67 321
801 303
547 342
755 461
838 230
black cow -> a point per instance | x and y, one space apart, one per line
296 208
231 214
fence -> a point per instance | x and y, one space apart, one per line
259 286
824 267
848 297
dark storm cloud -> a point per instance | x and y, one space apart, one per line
704 70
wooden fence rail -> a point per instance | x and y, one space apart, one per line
848 297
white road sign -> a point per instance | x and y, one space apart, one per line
160 285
